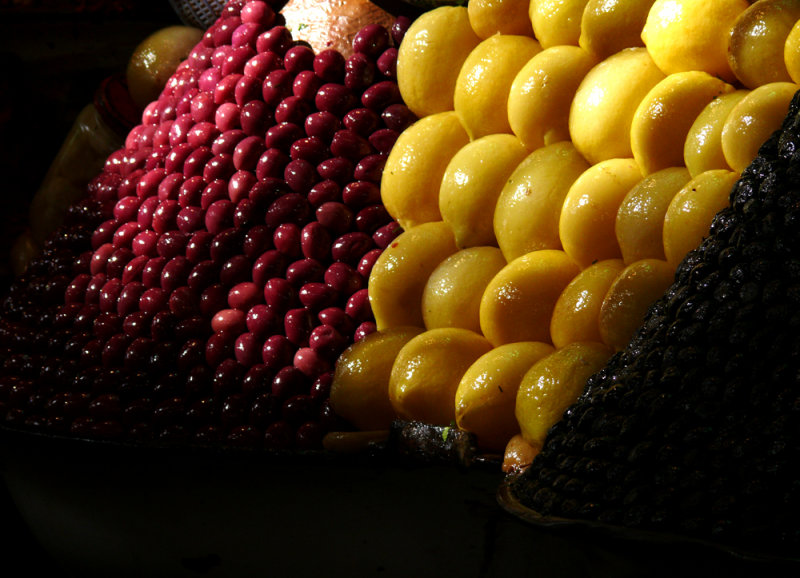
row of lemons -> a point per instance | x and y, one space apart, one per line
568 155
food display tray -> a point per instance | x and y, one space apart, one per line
666 553
397 508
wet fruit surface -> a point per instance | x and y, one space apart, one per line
291 231
578 145
689 429
205 287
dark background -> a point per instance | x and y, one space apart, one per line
53 56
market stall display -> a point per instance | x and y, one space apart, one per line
438 239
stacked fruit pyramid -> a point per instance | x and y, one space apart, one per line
692 429
567 157
203 289
463 223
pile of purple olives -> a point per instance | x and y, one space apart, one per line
218 266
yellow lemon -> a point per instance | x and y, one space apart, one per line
428 60
518 455
415 166
557 22
398 277
518 302
751 122
452 295
589 214
427 370
663 118
692 35
576 313
602 111
155 59
360 387
689 215
791 53
640 219
758 39
629 297
487 393
541 94
702 150
553 384
608 26
490 17
481 92
472 183
528 208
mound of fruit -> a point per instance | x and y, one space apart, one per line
692 429
460 220
206 284
567 157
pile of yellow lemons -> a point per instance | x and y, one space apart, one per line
568 154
